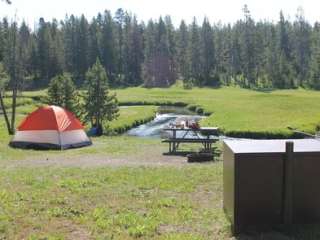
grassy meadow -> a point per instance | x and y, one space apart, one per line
169 202
237 111
242 112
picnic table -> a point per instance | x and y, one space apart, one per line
202 135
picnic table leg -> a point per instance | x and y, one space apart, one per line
170 149
186 133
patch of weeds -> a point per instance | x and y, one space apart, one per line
4 225
58 201
185 212
4 198
141 192
78 185
36 182
134 224
180 236
137 225
39 237
167 203
102 218
67 212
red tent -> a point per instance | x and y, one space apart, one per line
50 127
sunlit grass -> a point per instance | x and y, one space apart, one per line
238 110
126 203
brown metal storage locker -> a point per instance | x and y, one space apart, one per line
254 174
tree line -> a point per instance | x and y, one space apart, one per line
248 53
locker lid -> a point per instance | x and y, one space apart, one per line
272 146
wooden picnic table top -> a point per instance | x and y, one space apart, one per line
190 140
203 129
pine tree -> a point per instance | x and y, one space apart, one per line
159 69
183 42
44 43
132 51
302 44
2 42
120 19
70 39
172 48
248 49
134 54
207 55
235 55
272 66
94 42
247 53
314 68
83 49
150 54
62 92
100 106
108 58
286 75
194 54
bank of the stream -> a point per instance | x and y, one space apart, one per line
150 124
237 112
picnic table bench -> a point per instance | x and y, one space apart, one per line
201 135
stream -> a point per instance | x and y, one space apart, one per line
165 116
154 128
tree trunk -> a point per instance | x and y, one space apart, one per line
14 85
14 106
6 118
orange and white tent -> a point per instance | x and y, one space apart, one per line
50 127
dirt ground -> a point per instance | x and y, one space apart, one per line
151 159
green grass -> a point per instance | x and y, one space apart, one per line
131 117
239 111
121 203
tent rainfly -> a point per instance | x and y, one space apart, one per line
50 127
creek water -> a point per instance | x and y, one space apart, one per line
165 116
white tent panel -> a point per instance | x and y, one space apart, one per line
72 137
43 136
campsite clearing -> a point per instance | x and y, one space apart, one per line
123 188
